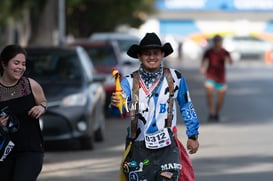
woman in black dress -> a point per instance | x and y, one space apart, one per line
25 102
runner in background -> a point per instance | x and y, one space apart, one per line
213 66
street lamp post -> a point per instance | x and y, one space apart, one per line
61 21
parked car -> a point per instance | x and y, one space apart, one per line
106 55
124 41
75 95
247 47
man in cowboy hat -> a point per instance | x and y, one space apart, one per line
152 152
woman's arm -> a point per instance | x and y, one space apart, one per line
40 100
203 67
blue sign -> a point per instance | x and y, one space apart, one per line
184 27
215 5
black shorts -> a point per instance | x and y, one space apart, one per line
144 164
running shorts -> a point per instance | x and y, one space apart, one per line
215 85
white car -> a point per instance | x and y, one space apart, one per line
124 41
245 47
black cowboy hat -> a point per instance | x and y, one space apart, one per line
150 40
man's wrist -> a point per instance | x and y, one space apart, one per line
193 137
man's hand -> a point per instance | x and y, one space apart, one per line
115 99
192 146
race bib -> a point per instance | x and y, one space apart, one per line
158 139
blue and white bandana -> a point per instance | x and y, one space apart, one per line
149 78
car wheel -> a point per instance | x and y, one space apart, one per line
100 118
87 143
99 135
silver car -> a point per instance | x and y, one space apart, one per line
75 95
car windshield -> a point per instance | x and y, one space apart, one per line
124 40
102 56
126 43
54 67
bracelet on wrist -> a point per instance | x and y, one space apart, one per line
194 137
44 106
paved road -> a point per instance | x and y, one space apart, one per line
239 148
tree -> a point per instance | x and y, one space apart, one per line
31 21
36 21
87 16
11 13
44 22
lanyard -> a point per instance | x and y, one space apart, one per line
135 94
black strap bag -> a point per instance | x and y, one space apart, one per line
6 144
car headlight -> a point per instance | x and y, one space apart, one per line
75 100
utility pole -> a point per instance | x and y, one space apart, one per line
61 21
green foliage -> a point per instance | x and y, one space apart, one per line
5 8
83 17
13 9
87 16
